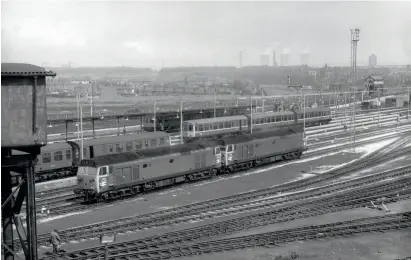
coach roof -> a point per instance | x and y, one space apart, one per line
216 120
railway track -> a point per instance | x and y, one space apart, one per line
270 239
361 163
351 199
315 145
148 220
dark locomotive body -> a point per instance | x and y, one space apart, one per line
115 175
112 175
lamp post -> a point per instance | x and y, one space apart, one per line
81 125
154 117
251 114
181 120
78 115
409 101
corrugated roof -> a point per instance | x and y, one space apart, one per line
216 120
24 69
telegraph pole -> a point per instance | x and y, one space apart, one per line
91 99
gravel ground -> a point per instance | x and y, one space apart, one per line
389 245
199 191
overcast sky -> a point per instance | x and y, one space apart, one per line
155 34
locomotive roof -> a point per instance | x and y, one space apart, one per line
216 120
122 138
148 153
283 131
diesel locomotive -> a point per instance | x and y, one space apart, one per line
111 176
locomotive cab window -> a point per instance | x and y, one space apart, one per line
58 156
103 171
230 148
145 165
46 157
171 160
217 150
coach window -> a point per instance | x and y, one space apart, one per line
68 154
139 145
46 157
110 147
273 119
58 156
221 125
215 125
118 148
162 141
226 125
153 142
206 127
200 128
129 146
146 143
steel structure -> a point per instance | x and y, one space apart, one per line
23 88
355 37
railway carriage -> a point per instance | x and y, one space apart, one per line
119 144
260 121
59 160
129 173
54 161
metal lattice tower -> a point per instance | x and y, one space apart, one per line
355 37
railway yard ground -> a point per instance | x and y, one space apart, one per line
332 203
135 218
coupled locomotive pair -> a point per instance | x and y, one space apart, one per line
111 176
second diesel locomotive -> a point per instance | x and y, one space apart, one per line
111 176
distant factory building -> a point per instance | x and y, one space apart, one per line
264 60
284 59
372 61
305 58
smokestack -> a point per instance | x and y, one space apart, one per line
274 62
